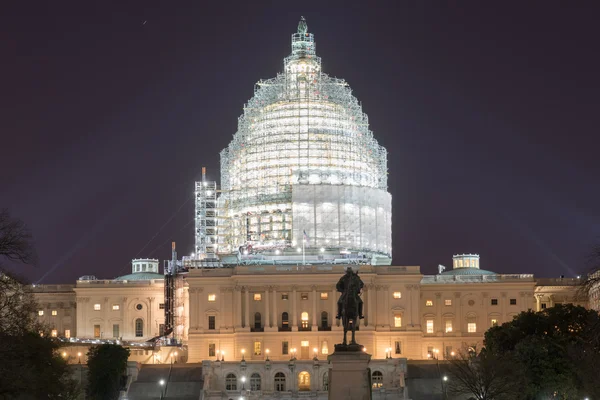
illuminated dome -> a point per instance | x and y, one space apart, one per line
304 168
142 269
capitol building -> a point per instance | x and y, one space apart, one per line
303 196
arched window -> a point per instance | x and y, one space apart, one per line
280 381
324 320
304 381
304 318
326 381
285 321
139 327
230 382
377 379
257 320
255 381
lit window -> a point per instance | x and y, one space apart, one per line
448 325
494 322
304 343
471 327
304 296
97 307
212 297
304 318
257 350
429 326
377 379
448 302
67 333
116 307
324 348
324 295
284 296
257 297
54 312
54 333
41 312
429 303
397 295
397 321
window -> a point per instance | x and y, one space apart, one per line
161 329
397 320
284 296
303 381
284 348
326 381
448 325
543 306
397 347
41 312
139 327
324 347
115 330
494 302
304 319
54 313
429 326
116 307
161 306
97 307
448 302
257 297
324 320
304 296
257 348
471 327
67 333
324 295
285 322
96 331
212 349
139 307
211 322
429 303
494 322
255 382
397 295
54 333
377 379
212 297
230 382
257 320
280 382
513 302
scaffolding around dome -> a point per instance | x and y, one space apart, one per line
303 173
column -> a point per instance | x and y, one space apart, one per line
124 317
193 325
387 305
247 308
199 310
107 333
410 307
151 322
275 316
551 297
314 308
268 314
538 303
458 328
294 312
503 306
333 307
238 306
370 317
416 303
438 312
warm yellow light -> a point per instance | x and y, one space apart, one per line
64 354
315 349
365 349
268 351
243 351
79 354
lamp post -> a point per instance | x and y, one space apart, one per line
243 353
267 351
79 355
315 352
161 383
243 383
222 355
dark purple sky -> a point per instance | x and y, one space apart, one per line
491 118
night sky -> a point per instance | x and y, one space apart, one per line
490 116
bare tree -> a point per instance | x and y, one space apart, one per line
16 242
483 376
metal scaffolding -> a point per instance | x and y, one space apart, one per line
303 168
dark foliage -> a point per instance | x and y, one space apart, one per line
107 364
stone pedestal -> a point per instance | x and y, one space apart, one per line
349 374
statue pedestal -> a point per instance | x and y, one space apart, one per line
349 374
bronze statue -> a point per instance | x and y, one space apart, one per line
350 305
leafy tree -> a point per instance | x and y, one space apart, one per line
107 364
485 376
547 347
